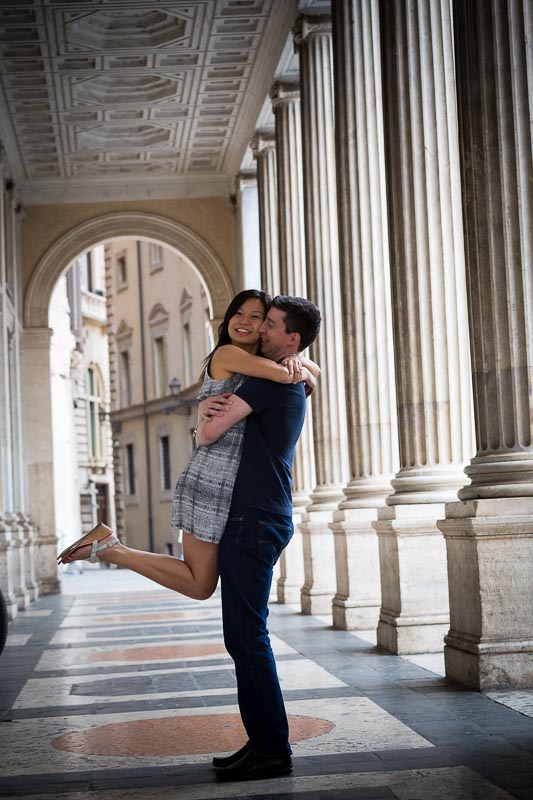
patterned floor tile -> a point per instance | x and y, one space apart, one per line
76 690
354 725
448 783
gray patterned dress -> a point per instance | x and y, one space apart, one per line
203 492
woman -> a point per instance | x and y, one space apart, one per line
203 492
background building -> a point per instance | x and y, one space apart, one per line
159 334
83 457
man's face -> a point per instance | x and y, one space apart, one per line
275 341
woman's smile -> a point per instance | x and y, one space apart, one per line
245 323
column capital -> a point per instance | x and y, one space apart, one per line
37 338
282 92
261 142
308 25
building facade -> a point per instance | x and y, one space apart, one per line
159 334
79 361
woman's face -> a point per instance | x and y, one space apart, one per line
244 325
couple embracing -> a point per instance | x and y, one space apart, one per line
233 502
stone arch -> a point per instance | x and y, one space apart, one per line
118 224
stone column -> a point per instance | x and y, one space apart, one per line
366 310
429 317
12 522
7 326
248 231
7 567
264 149
313 39
30 542
489 535
38 448
293 281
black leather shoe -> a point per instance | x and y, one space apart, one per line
227 761
253 766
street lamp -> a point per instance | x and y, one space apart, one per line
175 387
181 405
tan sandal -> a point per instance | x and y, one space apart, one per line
94 536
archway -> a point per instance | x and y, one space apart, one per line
36 360
140 226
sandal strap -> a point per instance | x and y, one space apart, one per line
93 558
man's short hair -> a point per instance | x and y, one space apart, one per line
301 316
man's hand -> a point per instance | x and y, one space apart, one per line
214 406
294 366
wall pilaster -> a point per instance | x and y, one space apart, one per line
38 448
429 318
489 535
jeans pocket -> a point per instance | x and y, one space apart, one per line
273 537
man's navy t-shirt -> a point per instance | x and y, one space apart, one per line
264 478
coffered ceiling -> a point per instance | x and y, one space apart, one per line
113 99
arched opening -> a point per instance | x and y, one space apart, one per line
155 235
152 227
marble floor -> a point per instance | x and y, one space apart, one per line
117 689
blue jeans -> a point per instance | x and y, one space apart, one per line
251 545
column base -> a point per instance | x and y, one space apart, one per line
407 635
484 667
414 615
315 603
357 602
490 564
319 563
349 616
292 564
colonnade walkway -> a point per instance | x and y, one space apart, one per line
119 690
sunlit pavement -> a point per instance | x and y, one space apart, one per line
120 689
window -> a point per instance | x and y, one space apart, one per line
125 379
209 341
164 458
93 407
186 305
122 271
86 272
160 367
158 319
156 256
130 470
187 354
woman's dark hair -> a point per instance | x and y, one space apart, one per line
223 328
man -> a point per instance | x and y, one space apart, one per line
258 529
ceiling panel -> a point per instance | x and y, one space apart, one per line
133 98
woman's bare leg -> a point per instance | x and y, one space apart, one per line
196 576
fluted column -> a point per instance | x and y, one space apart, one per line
293 281
38 451
30 543
8 567
489 535
6 334
313 38
264 149
430 320
366 310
